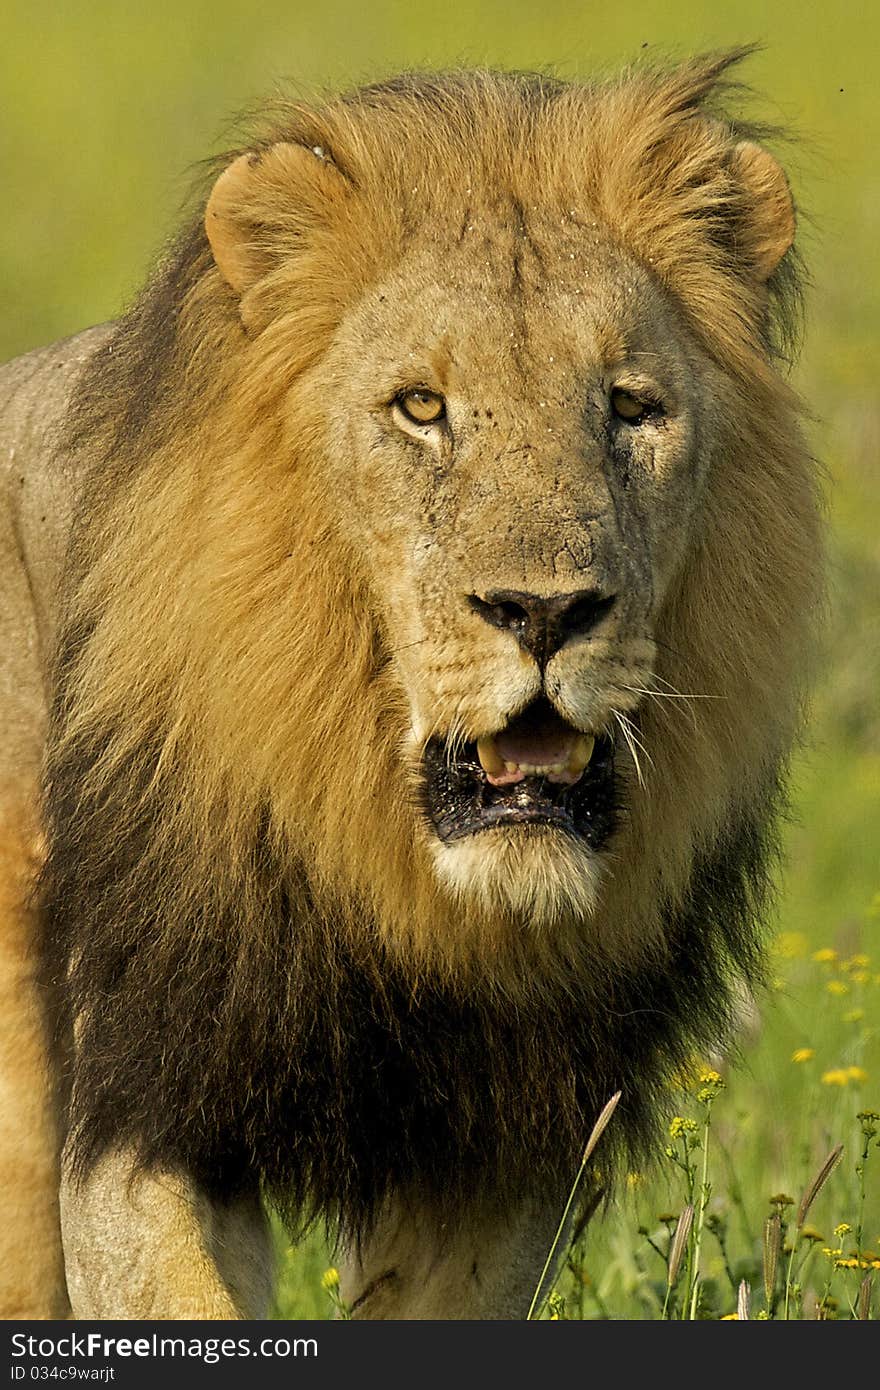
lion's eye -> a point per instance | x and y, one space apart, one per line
422 407
629 408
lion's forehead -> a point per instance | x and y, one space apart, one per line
512 312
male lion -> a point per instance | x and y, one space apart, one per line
442 556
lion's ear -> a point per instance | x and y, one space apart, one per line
766 226
263 203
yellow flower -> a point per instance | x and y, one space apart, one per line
803 1054
837 987
854 1016
634 1180
730 1317
860 977
791 945
330 1280
859 962
857 1074
556 1305
825 956
836 1077
711 1083
842 1230
680 1126
810 1233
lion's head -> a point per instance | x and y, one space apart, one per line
538 457
469 540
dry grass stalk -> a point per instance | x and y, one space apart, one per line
772 1241
863 1307
679 1244
744 1302
818 1183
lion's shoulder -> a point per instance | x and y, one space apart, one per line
38 479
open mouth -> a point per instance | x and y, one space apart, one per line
538 770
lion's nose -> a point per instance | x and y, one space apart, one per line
542 625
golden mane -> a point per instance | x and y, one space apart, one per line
193 713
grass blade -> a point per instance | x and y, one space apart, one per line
595 1135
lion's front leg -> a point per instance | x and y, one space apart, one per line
31 1268
413 1265
155 1246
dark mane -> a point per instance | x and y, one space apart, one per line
257 1046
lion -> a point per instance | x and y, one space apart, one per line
409 606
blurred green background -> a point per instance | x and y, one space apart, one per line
108 105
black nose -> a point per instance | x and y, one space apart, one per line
542 625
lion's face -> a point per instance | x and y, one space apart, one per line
518 456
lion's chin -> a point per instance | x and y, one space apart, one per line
537 874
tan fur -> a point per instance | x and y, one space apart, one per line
615 180
310 634
31 1268
414 1269
145 1247
32 538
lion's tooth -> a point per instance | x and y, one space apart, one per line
490 759
581 752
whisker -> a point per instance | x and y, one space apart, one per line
675 693
654 695
660 695
669 694
454 740
457 737
639 741
633 754
632 743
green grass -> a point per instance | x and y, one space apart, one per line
775 1118
811 1056
106 106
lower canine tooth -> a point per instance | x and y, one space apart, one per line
581 752
490 761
